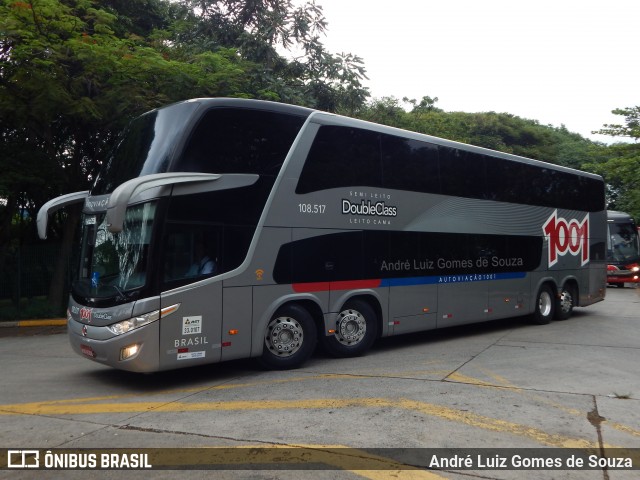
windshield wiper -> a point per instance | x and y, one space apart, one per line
122 297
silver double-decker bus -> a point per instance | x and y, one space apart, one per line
221 229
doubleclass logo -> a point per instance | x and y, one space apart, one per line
378 209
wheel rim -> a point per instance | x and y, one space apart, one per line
566 301
545 304
351 327
284 336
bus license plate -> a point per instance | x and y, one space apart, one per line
88 351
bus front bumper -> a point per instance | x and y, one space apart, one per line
623 274
135 351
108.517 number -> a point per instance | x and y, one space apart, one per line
313 208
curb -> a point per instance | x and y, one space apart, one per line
47 322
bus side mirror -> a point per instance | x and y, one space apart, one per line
56 204
119 200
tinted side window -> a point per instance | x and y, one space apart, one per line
462 173
222 222
342 157
232 140
507 181
410 165
551 188
324 258
349 157
594 192
193 251
517 182
374 254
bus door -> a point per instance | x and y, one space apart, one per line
192 335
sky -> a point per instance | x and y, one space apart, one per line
560 62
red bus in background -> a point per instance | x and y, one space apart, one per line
623 249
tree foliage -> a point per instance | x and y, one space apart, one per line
73 72
498 131
262 32
621 165
630 129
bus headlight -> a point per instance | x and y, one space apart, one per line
141 320
133 323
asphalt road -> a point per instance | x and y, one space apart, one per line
507 385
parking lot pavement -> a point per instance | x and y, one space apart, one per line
504 384
32 331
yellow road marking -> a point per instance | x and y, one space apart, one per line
86 406
446 413
458 377
505 383
49 322
624 428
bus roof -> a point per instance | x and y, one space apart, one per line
251 104
616 216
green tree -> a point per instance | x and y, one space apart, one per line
630 129
498 131
68 83
73 72
261 31
621 166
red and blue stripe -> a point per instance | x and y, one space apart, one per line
309 287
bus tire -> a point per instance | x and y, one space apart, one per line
290 338
565 302
544 306
356 330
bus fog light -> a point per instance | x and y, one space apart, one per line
129 351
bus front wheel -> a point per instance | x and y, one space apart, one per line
355 331
544 307
290 338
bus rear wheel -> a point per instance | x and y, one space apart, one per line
565 302
290 338
544 307
355 331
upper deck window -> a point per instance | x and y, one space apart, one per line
145 147
233 140
224 140
353 157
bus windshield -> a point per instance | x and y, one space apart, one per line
145 147
623 243
114 264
